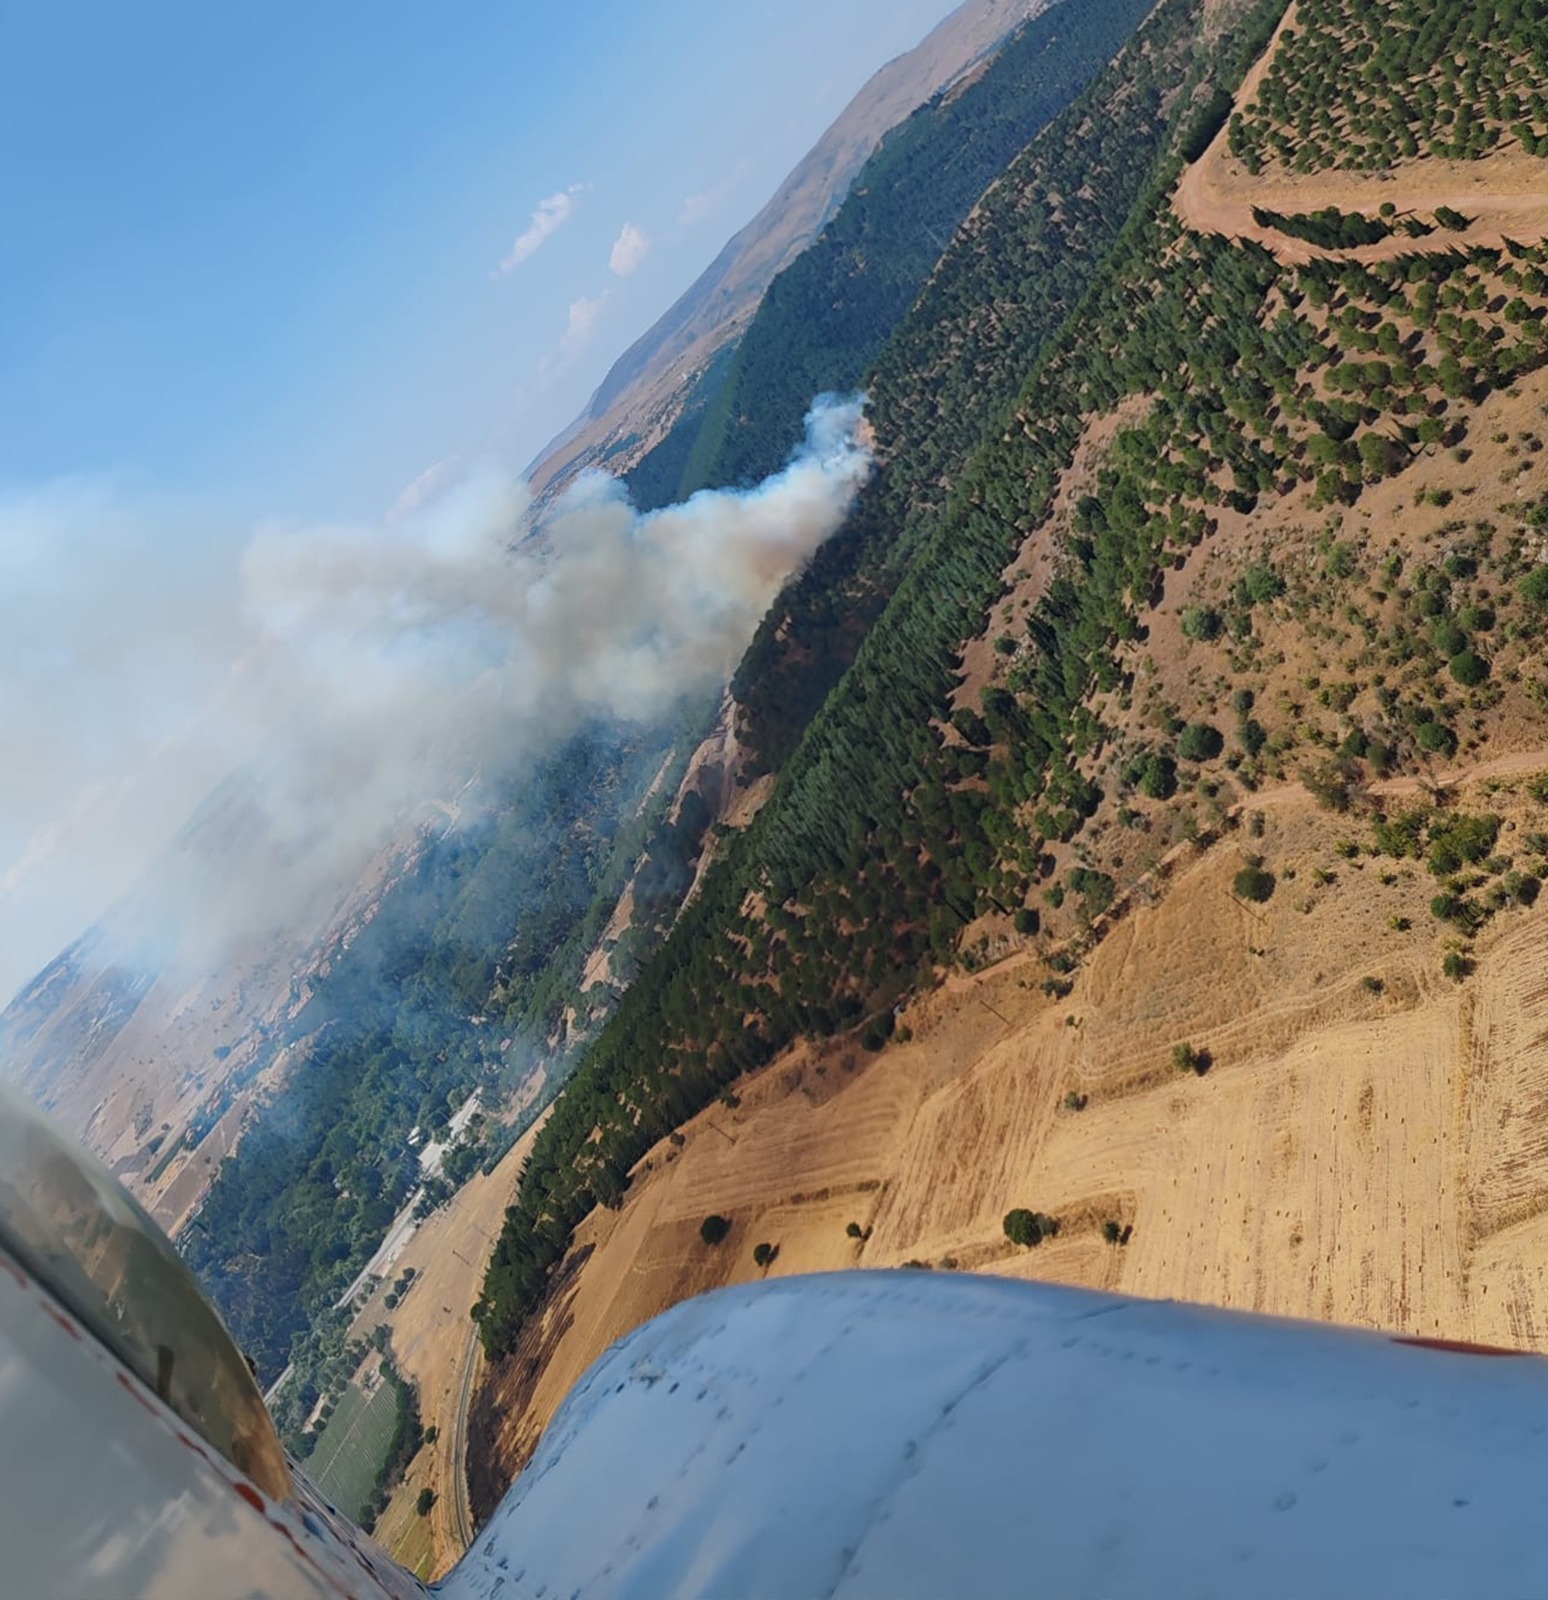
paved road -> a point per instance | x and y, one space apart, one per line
403 1228
457 1449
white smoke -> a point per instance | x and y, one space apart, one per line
378 669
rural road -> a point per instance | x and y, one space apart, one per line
458 1507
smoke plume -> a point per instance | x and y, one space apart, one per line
373 672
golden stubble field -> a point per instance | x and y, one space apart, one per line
1371 1153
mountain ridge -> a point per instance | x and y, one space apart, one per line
641 393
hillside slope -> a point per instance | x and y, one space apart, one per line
644 390
754 963
1155 728
1354 1153
827 315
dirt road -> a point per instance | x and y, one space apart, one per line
1503 195
456 1461
436 1345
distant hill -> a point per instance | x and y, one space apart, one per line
829 312
644 390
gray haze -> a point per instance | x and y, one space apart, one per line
364 674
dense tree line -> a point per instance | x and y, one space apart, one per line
874 852
946 380
1330 228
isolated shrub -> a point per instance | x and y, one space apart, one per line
1468 668
1436 738
764 1254
1259 584
1187 1058
1027 921
425 1501
1534 587
1028 1228
1199 741
1254 882
1158 778
714 1228
1021 1227
1457 966
1201 622
1448 638
1251 735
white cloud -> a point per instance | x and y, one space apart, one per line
585 313
629 249
548 217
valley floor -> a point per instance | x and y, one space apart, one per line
434 1345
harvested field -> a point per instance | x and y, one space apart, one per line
1365 1147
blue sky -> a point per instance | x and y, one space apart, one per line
262 267
247 250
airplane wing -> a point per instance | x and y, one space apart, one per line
906 1434
873 1434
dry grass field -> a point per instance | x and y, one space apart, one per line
1367 1145
431 1329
